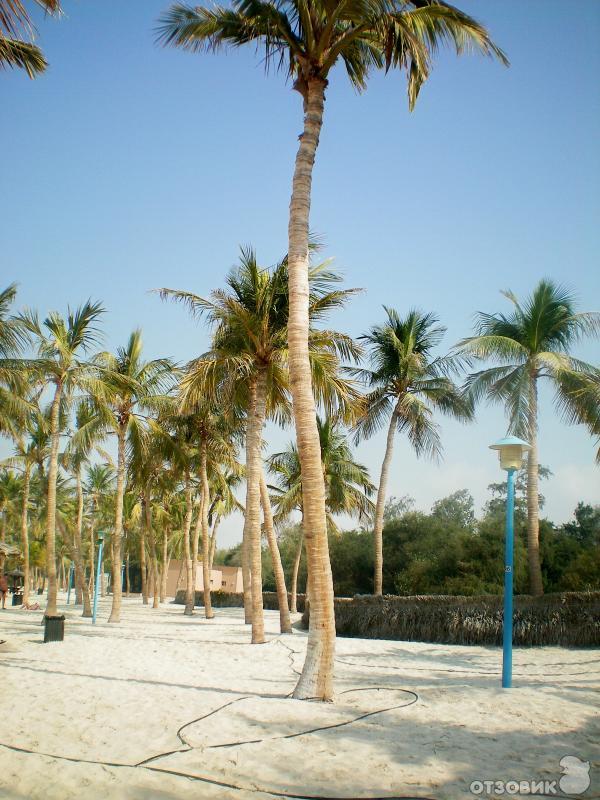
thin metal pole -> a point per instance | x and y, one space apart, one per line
507 630
71 571
97 587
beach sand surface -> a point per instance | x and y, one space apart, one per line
163 706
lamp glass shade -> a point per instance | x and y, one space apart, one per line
511 451
100 537
511 456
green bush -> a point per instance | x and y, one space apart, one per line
568 619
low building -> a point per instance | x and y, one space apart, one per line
222 578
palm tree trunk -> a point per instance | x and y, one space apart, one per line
51 503
165 566
82 594
316 680
25 532
285 623
117 586
143 569
252 528
189 577
195 543
295 569
204 506
153 558
127 581
246 576
533 502
380 505
213 539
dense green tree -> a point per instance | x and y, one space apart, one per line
456 509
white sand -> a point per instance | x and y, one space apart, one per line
117 694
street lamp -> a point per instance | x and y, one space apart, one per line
98 569
71 573
511 451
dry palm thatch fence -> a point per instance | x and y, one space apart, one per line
236 600
569 619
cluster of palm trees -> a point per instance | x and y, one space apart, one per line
306 40
179 433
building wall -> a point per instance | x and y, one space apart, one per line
226 579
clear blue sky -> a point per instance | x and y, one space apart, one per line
127 167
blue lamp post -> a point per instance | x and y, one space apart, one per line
98 572
511 451
71 570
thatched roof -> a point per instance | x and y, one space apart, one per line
9 549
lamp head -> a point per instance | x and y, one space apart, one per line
100 537
511 451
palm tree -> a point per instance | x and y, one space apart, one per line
529 343
30 453
9 491
182 432
407 385
98 486
15 23
88 430
14 405
307 40
248 361
582 394
347 484
129 387
202 439
24 458
59 344
224 501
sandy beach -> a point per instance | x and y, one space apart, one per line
164 705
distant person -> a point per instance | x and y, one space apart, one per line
3 589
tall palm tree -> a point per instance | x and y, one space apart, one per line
307 40
248 361
60 343
15 23
129 388
529 343
407 385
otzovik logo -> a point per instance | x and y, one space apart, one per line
575 781
576 775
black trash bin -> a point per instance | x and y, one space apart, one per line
54 628
40 591
17 599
